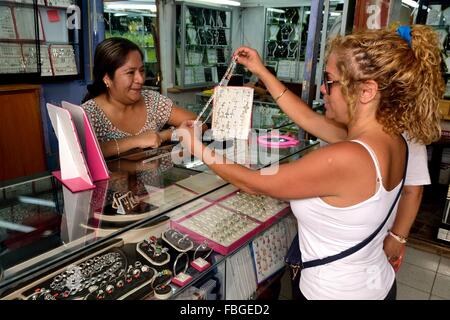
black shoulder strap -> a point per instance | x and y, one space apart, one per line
345 253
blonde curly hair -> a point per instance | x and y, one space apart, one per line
409 78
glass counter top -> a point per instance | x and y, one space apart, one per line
43 225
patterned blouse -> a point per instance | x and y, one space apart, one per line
158 106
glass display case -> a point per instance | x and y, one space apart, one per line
40 40
202 45
157 229
139 26
286 31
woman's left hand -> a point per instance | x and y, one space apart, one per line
189 134
394 251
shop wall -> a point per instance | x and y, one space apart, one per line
72 91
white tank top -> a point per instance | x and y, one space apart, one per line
325 230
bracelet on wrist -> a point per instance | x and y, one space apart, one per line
281 94
397 237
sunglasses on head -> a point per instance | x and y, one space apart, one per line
327 82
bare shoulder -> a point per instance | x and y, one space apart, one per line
342 153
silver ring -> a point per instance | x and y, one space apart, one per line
176 261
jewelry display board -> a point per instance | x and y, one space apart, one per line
48 26
285 41
63 60
111 274
59 3
201 42
232 112
25 24
7 30
11 58
30 57
268 251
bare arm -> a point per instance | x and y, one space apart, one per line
406 214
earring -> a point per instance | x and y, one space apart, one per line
106 84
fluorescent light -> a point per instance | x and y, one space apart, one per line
37 201
222 2
335 14
276 10
131 6
16 227
411 3
118 14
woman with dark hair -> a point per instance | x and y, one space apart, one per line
123 115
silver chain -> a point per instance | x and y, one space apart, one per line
223 83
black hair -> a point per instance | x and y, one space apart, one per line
110 55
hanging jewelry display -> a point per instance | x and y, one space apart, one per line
223 82
232 112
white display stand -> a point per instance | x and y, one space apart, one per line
89 142
74 172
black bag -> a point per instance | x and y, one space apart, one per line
294 255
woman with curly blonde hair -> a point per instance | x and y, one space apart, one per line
377 85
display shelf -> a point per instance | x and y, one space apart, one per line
285 41
40 24
198 30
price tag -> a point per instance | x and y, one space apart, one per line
181 279
200 264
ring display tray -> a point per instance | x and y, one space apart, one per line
223 229
261 208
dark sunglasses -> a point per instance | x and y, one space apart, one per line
327 82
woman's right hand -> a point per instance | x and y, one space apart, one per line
250 58
149 139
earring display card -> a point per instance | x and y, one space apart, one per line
10 58
268 251
59 3
40 2
212 56
30 56
223 229
25 23
259 207
284 68
232 112
63 60
199 74
6 23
